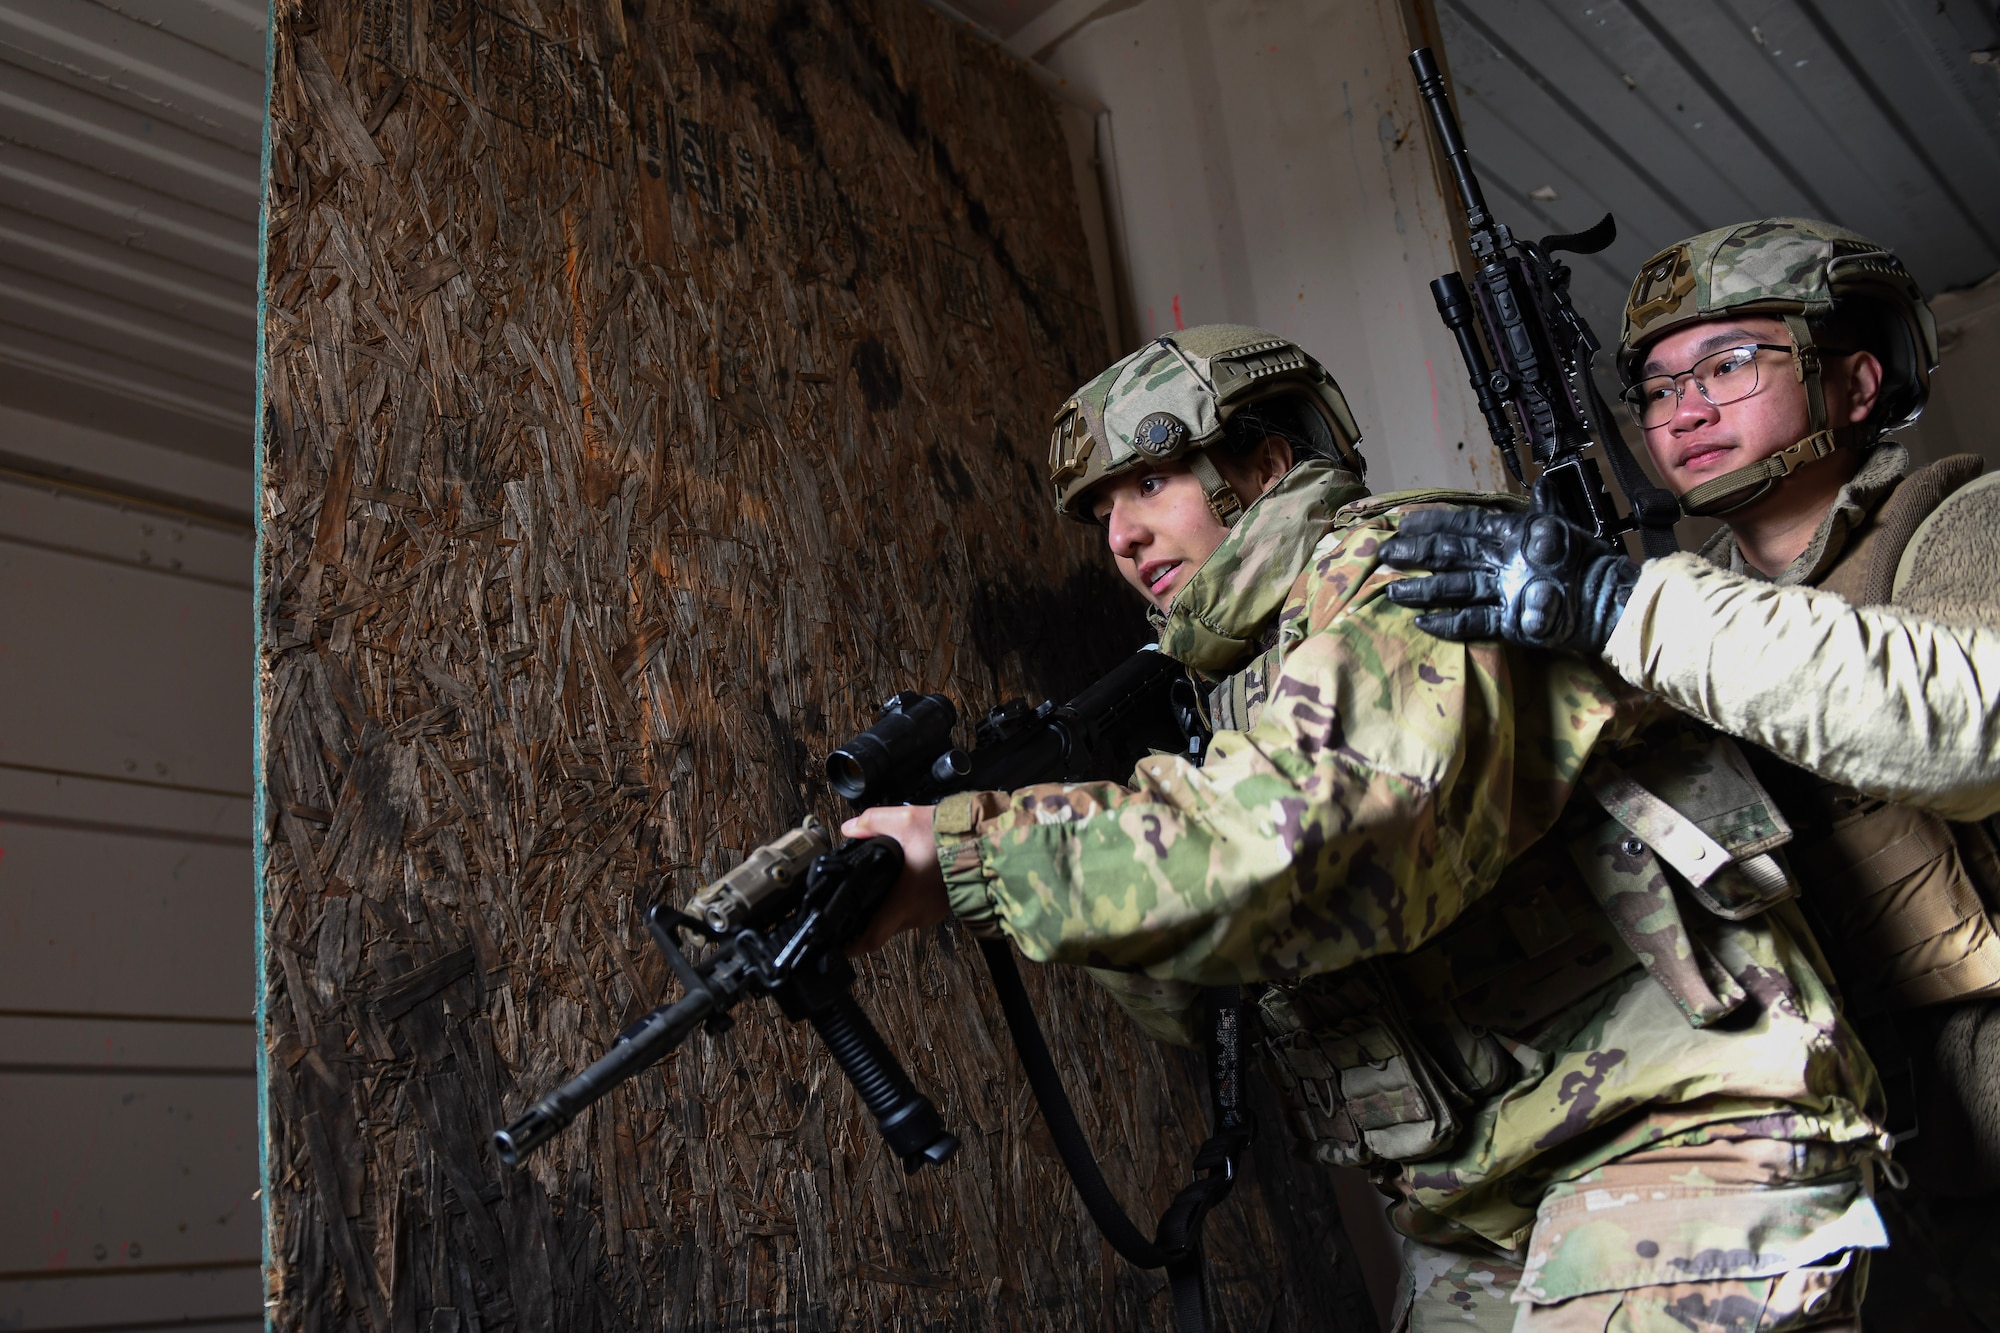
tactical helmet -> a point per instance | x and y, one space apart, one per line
1797 270
1172 398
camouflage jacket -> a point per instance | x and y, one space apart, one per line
1377 787
1380 789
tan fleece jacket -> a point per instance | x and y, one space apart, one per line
1901 707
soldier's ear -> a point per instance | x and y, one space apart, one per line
1271 461
1863 373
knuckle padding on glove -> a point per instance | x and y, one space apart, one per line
1469 624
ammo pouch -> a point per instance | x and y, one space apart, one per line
1684 819
1909 895
1357 1084
1382 1061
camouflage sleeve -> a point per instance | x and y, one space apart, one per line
1168 1010
1896 704
1379 791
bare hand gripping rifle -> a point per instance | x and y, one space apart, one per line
781 921
1529 353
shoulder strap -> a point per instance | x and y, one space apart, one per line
1950 567
1176 1243
1902 514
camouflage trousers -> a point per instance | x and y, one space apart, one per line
1463 1293
1775 1254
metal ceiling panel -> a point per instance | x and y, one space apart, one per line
1677 117
129 140
76 196
144 63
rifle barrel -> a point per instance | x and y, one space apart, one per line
639 1046
1430 86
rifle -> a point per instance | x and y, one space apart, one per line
1529 352
907 757
783 918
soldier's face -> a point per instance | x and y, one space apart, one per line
1158 523
1159 527
1702 440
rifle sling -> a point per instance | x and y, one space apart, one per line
1654 508
1176 1245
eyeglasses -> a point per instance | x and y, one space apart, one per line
1721 378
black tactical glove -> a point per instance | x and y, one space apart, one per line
1529 579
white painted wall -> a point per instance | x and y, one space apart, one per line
1271 168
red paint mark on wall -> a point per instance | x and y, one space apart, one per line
1177 311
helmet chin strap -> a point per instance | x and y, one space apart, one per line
1223 501
1733 490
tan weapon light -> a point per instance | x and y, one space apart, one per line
733 901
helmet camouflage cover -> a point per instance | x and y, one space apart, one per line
1794 269
1172 398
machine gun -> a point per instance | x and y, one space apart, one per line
783 918
1529 352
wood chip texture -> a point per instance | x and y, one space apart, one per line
649 389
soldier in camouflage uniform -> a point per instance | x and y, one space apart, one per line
1847 618
1875 721
1530 960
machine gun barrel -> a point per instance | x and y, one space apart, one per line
1528 352
787 915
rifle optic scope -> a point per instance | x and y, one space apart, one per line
913 729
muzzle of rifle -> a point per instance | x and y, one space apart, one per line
534 1128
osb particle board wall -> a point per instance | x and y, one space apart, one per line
649 391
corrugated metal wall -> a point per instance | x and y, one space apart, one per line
128 201
127 1050
129 140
